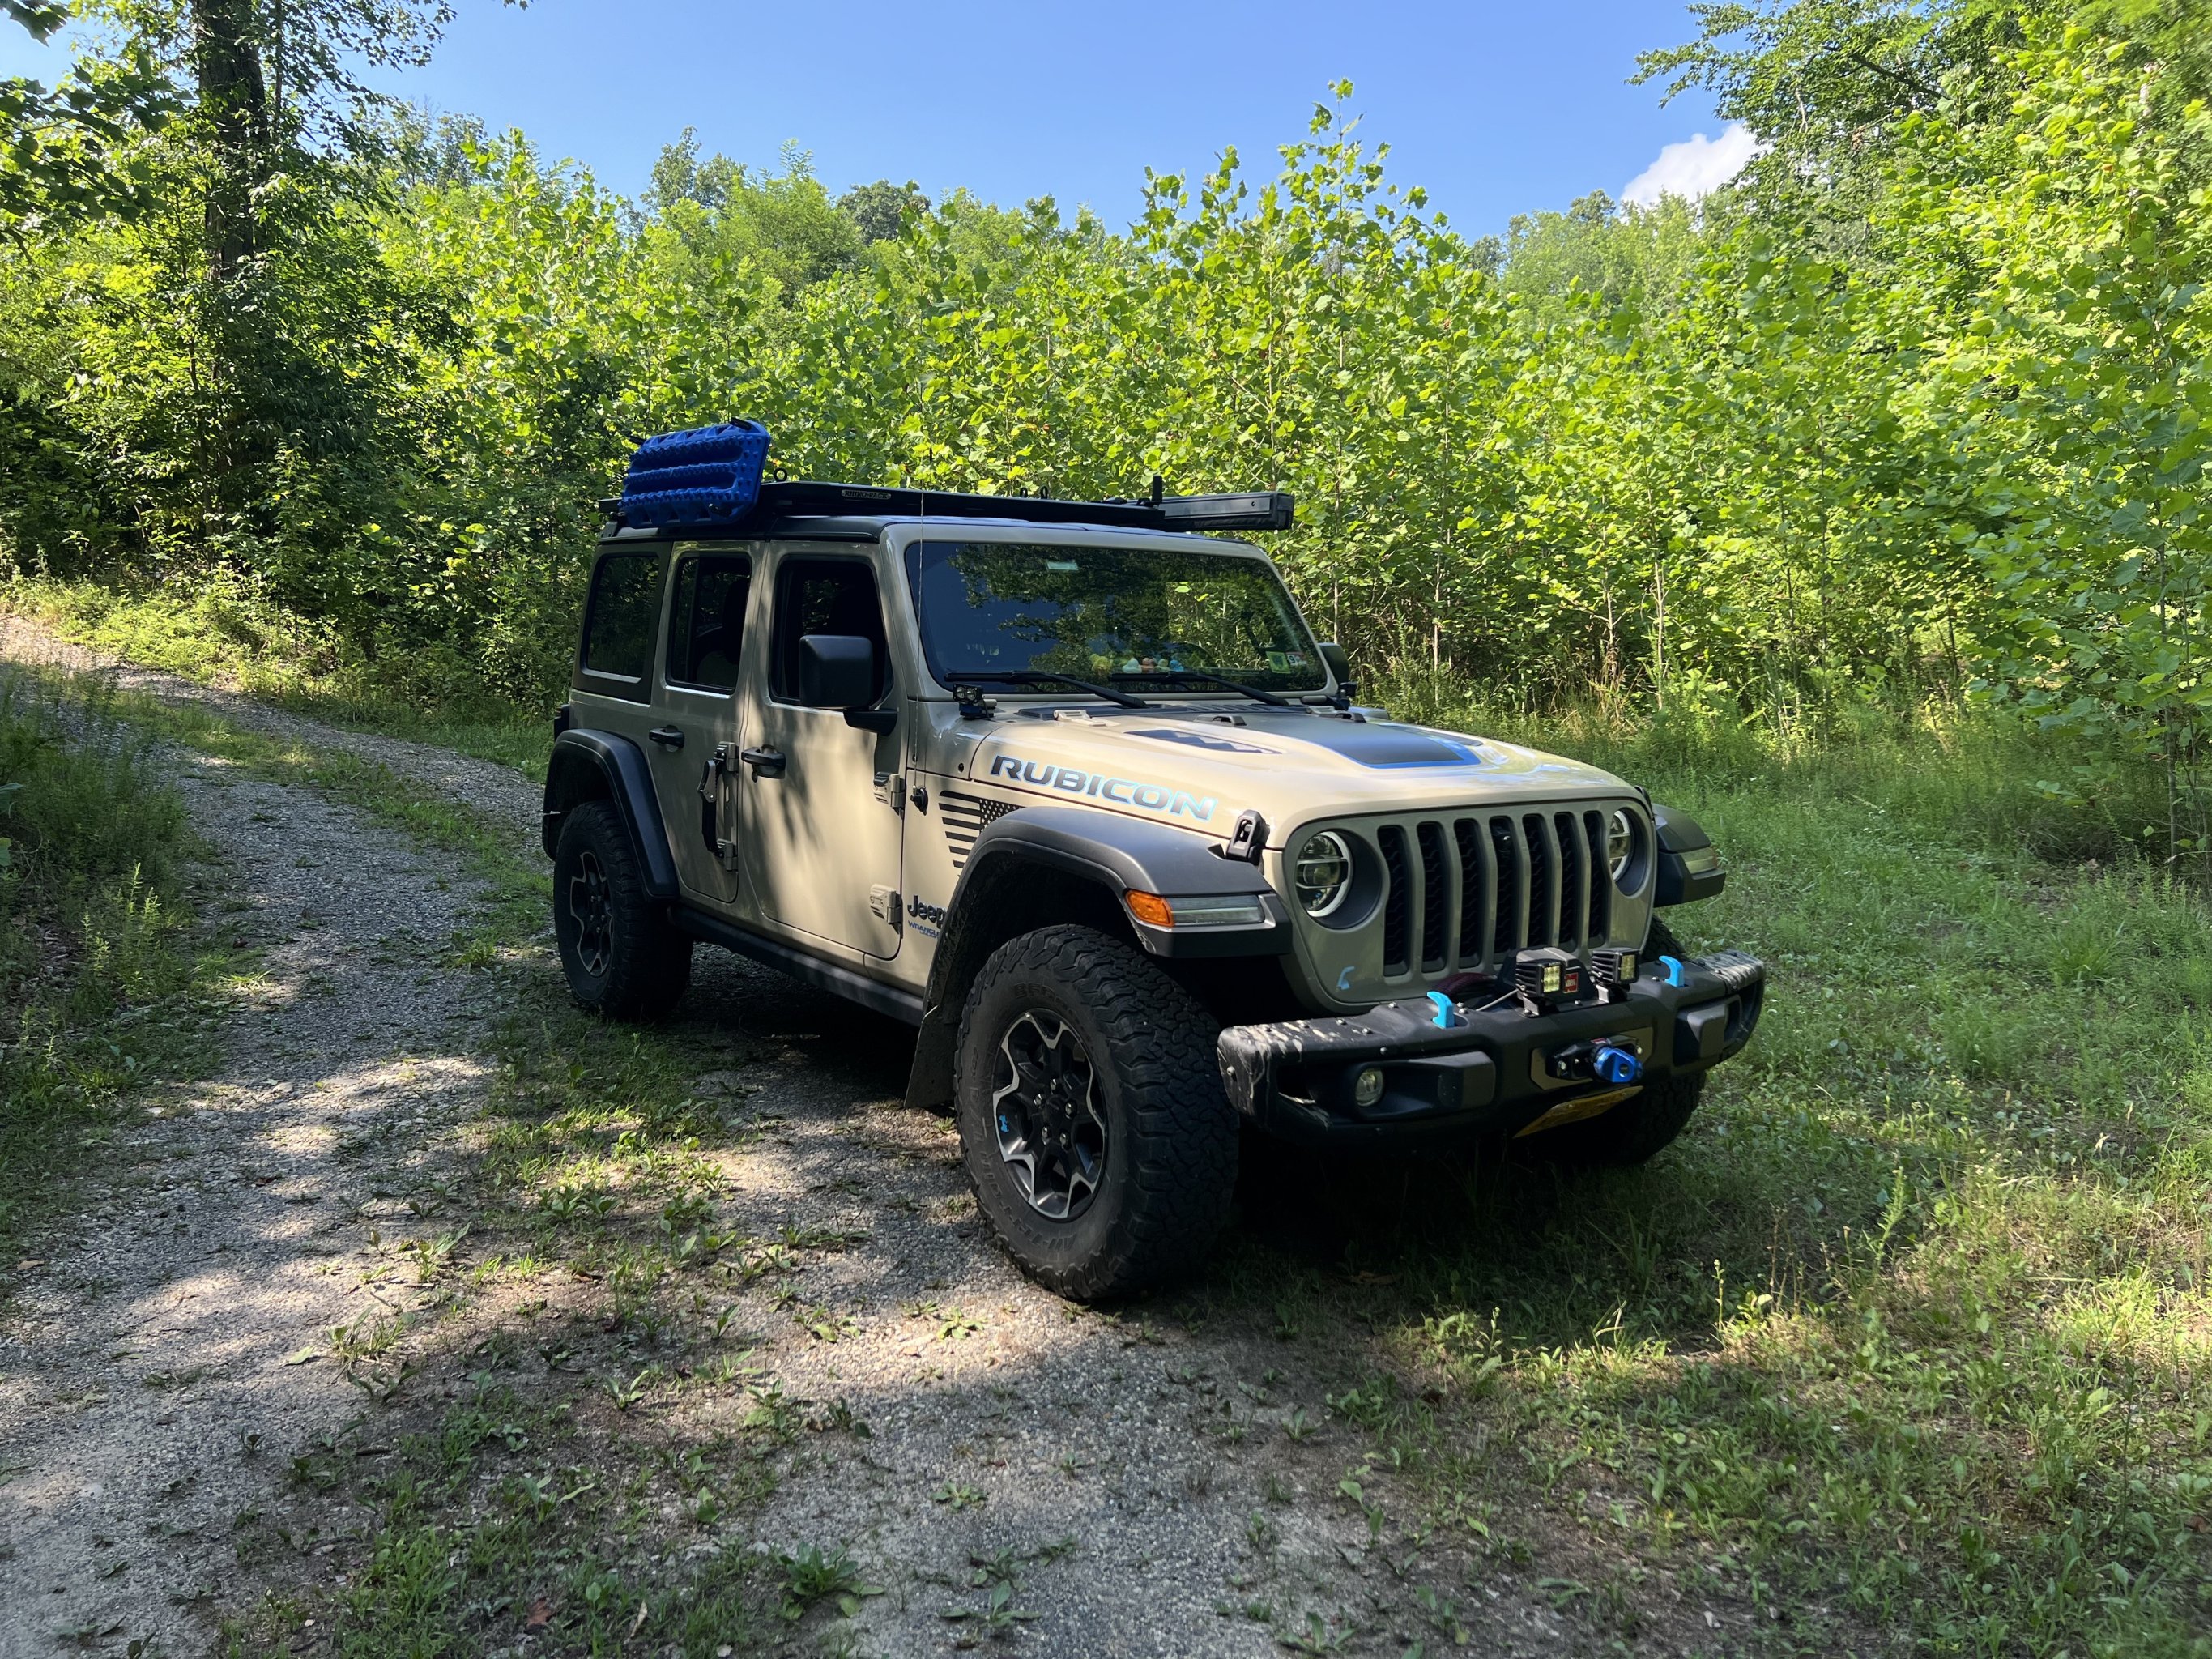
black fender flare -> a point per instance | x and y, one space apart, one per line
1103 853
593 765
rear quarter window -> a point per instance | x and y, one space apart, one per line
620 620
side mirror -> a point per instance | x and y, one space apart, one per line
839 670
1340 665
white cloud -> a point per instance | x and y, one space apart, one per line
1693 167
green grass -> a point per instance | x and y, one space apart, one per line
1910 1338
104 989
216 631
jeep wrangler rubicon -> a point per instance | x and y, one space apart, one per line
1071 788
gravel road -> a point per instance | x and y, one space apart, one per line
145 1397
147 1403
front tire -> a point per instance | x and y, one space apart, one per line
622 959
1092 1119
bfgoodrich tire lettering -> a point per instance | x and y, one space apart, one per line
622 958
1146 1076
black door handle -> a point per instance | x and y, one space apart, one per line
765 762
668 737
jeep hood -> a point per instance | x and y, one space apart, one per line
1200 767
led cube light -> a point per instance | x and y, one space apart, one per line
1548 972
1616 970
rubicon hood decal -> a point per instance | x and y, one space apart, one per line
1121 792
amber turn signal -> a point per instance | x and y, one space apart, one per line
1150 909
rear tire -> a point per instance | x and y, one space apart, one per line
622 959
1093 1119
1646 1123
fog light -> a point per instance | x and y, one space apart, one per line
1367 1086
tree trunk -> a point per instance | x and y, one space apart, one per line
227 58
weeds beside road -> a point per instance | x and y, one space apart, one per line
103 987
1903 1347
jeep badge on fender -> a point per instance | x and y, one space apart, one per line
1190 890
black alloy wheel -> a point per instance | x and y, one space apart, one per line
1051 1125
591 908
1087 1089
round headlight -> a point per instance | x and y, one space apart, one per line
1619 842
1321 872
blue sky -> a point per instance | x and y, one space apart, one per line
1498 108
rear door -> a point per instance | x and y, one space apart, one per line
694 744
613 683
820 800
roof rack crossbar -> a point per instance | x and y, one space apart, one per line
804 499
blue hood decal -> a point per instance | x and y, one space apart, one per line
1184 734
1389 746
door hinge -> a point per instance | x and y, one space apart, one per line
890 789
885 902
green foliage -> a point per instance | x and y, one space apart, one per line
785 223
1629 256
1909 415
66 158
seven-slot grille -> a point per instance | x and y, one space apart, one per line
1463 893
965 817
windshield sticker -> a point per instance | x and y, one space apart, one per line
1097 785
1207 740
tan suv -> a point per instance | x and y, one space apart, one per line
1071 788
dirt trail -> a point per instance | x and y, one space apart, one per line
145 1396
498 792
1171 1489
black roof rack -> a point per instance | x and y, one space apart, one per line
1267 509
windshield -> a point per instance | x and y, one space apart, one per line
1118 615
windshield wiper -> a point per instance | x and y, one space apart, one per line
1038 676
1267 697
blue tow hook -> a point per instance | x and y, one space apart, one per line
1447 1016
1673 971
1614 1064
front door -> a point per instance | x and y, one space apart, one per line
694 743
820 801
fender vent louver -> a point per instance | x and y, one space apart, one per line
966 816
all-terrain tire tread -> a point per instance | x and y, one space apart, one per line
1162 1048
652 966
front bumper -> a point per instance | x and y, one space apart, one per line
1496 1072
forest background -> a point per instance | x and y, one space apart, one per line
1910 418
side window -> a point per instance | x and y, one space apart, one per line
824 595
618 622
707 619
